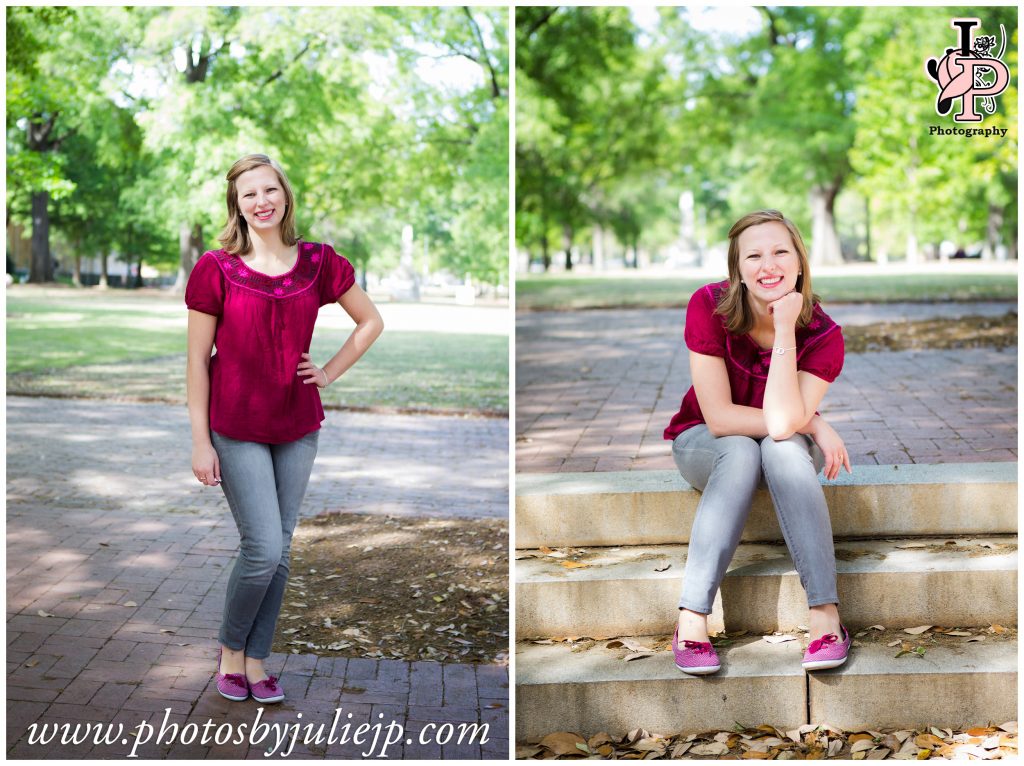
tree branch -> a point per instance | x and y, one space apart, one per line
541 22
279 72
495 88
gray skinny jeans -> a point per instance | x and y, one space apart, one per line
727 470
264 485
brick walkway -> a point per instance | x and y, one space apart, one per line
128 558
595 390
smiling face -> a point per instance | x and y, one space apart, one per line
768 263
262 201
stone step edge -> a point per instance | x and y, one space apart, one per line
562 691
871 659
614 596
779 564
617 482
634 507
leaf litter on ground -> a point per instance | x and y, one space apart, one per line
765 742
383 587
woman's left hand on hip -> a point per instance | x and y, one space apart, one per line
313 374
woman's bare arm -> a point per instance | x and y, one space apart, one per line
201 330
369 326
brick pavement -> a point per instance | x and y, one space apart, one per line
595 390
117 567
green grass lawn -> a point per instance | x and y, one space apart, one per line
69 347
540 293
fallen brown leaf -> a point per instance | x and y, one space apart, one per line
680 749
575 564
527 751
918 630
928 740
564 743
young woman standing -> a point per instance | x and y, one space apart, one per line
254 405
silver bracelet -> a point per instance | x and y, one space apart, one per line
781 351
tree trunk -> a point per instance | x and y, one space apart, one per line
867 226
995 223
567 245
912 254
190 248
41 268
825 247
598 248
76 277
1012 255
104 284
544 253
138 274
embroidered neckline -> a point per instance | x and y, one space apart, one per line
299 279
298 257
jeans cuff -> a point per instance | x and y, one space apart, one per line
813 602
695 609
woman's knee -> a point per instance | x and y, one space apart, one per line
793 452
262 558
737 453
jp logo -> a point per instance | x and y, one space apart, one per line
964 73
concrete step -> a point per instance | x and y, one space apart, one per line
622 593
657 507
594 690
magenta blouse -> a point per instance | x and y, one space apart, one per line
264 325
819 351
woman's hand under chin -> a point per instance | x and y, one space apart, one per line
786 310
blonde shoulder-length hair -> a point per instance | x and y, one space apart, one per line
739 317
235 235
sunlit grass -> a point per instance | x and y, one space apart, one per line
563 293
67 348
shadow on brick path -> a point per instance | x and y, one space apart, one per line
117 567
595 390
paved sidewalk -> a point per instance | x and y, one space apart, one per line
595 390
127 558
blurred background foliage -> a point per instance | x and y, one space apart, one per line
122 122
821 112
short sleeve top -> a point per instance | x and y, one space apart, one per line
819 351
264 325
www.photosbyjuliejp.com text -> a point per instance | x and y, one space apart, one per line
277 738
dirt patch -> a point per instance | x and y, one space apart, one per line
966 546
956 638
931 334
365 585
848 554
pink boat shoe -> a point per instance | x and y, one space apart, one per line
232 686
698 658
267 690
827 651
